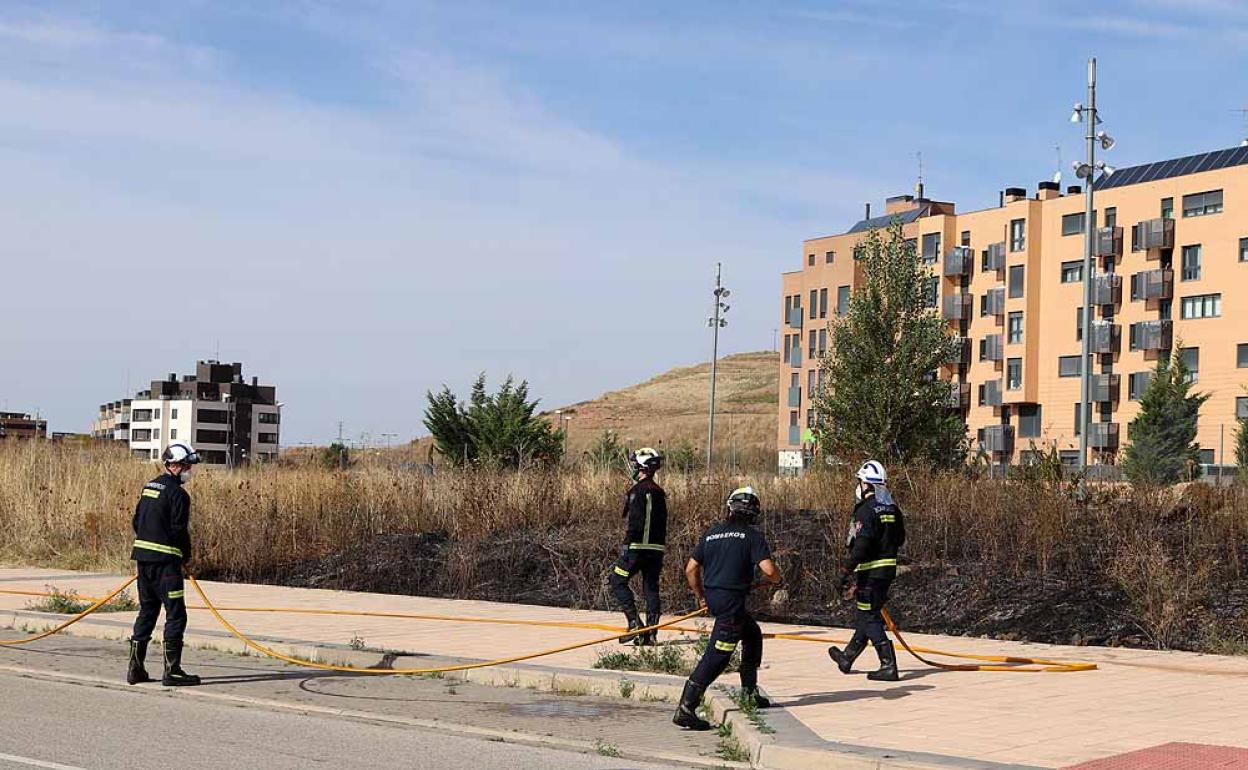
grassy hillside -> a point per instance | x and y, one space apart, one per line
672 408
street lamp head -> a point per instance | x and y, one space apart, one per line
1082 170
1077 115
1105 168
724 307
1107 141
722 292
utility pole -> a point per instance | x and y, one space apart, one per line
716 322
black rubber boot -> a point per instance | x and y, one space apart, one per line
174 675
845 658
136 673
760 701
649 638
888 664
687 711
634 622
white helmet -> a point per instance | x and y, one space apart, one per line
180 452
872 472
646 459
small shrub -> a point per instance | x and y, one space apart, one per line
70 603
606 749
626 688
664 659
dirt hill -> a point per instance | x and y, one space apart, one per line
672 408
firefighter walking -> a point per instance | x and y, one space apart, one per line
645 539
162 545
876 534
721 574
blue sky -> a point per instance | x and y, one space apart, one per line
364 200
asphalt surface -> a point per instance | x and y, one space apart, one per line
82 722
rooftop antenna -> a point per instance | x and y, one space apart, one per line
1243 113
1057 177
918 188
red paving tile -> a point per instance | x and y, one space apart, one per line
1174 756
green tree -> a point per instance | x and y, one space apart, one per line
1241 447
607 453
500 428
880 397
1163 435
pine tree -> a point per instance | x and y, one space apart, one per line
1163 436
501 429
880 396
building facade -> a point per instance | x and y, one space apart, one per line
1171 256
229 421
19 425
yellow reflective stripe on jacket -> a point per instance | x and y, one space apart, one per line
646 547
151 493
864 606
147 545
888 518
870 565
645 535
621 571
177 594
725 646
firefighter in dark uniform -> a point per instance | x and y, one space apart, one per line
876 534
162 544
645 538
721 574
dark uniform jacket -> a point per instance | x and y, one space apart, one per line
728 553
162 521
645 510
876 534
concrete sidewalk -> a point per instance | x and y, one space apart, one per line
1138 700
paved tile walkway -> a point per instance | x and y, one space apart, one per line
1138 700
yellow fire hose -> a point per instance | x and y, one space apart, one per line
999 663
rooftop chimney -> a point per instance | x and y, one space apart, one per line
1015 194
1047 190
1074 189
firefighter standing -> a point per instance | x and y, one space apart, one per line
721 574
162 544
876 534
645 538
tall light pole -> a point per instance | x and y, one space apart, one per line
716 322
1089 116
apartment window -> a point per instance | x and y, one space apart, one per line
210 437
1078 324
1015 328
173 414
173 434
1200 204
788 308
842 300
931 247
1069 366
814 304
793 419
156 434
823 303
911 245
140 434
1191 263
1111 216
213 415
1191 360
983 261
1029 421
155 414
1014 374
828 257
1078 419
1241 355
810 260
1072 224
966 238
1072 272
1167 208
1018 234
860 249
1241 407
141 415
1016 281
810 382
1207 457
268 438
1201 306
814 339
788 345
823 341
1137 383
1243 249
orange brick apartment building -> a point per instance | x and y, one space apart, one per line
1172 256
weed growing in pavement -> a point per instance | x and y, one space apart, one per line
626 688
729 747
663 659
606 749
70 603
573 688
356 643
749 709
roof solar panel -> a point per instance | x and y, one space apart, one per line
1187 164
1166 169
1206 163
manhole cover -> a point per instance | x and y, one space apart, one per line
557 708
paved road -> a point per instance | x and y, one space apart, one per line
54 724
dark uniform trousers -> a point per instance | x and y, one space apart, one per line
870 595
650 565
733 626
160 584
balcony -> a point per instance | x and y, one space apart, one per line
959 395
1153 235
999 439
990 393
996 257
795 318
1153 284
991 348
961 353
1108 242
994 302
1152 336
1103 435
959 260
1105 387
956 307
1106 337
795 357
1107 289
